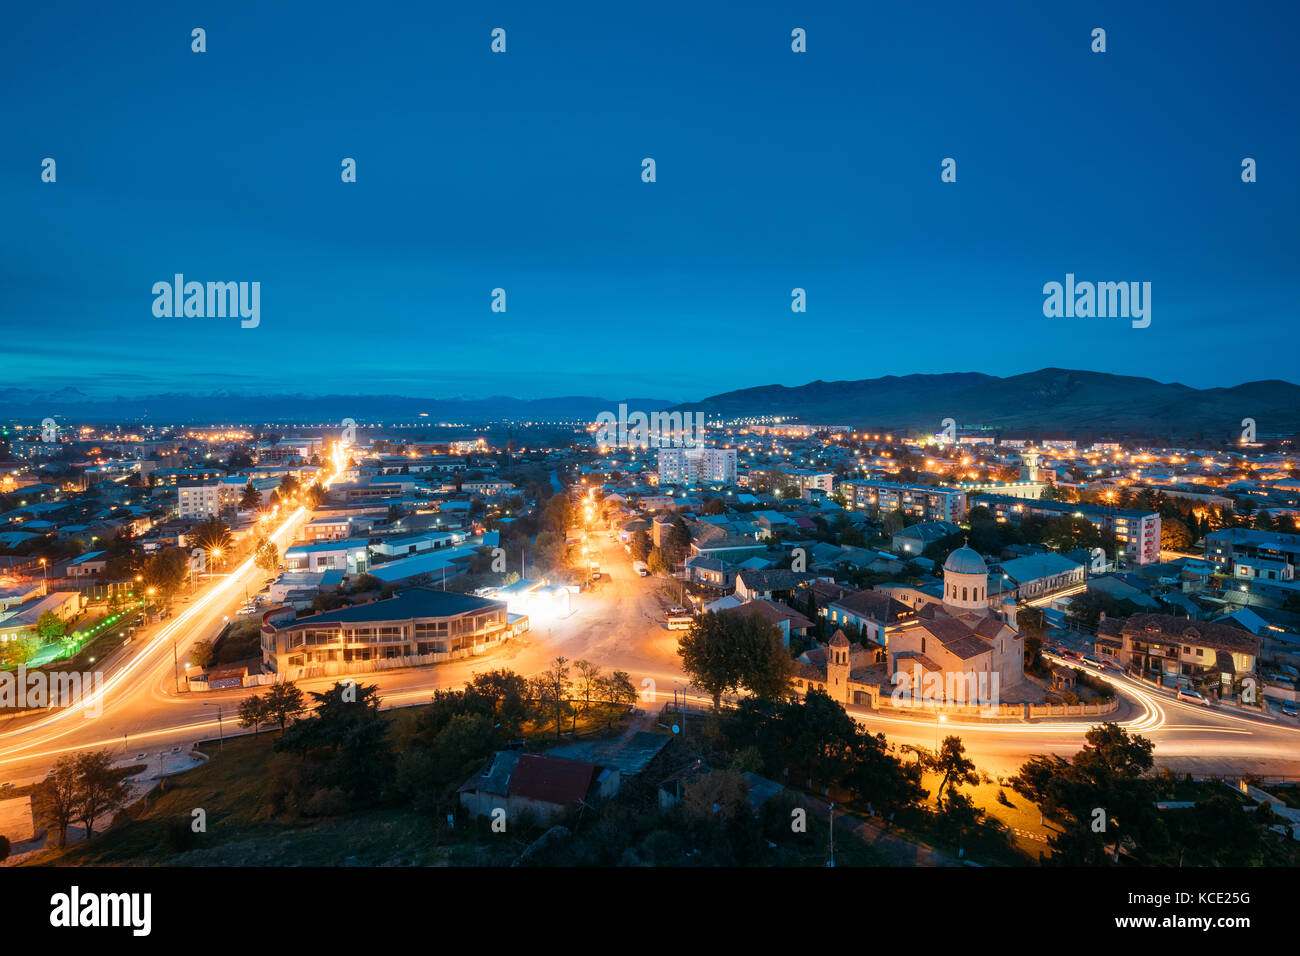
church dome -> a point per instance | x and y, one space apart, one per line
965 560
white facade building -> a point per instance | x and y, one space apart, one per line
684 466
198 501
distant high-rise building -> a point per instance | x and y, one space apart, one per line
687 466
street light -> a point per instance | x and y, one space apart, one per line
221 739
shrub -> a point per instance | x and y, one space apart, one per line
327 802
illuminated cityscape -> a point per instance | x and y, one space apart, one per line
675 438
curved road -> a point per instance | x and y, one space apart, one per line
618 624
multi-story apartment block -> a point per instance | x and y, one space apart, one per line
1231 547
803 479
1138 532
198 500
928 502
685 466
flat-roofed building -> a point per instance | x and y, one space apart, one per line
1138 532
350 556
415 626
198 500
685 466
928 502
22 621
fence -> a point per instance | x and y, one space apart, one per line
882 699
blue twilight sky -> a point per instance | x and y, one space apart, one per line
522 171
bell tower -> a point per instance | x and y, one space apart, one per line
838 668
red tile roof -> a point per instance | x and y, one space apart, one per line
552 779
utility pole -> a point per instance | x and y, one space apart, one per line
221 737
831 862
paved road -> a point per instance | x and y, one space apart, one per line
618 624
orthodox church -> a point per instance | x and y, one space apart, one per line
962 646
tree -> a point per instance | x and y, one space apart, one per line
284 702
556 516
289 486
315 495
1098 796
816 738
958 815
551 690
724 652
251 498
252 712
657 562
346 737
505 695
881 781
267 556
365 582
721 793
617 689
549 552
640 545
678 545
17 649
1086 609
165 572
203 654
588 682
99 788
1174 535
951 761
58 798
50 626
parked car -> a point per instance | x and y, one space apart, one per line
1192 697
1090 661
1289 708
6 785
